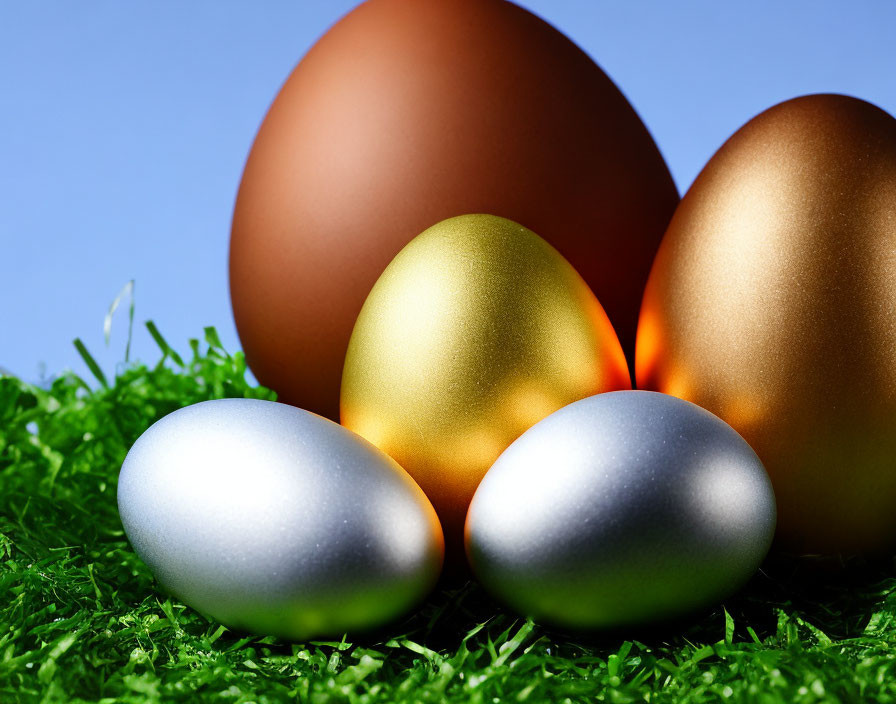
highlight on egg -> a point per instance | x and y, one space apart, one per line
274 520
475 331
404 114
772 303
623 509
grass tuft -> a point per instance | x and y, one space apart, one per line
81 619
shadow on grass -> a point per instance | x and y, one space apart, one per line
836 599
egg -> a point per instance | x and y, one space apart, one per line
772 303
622 509
404 114
274 520
474 332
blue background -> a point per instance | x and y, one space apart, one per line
124 129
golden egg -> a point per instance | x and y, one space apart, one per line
772 303
477 330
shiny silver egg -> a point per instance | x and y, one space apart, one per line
275 520
625 508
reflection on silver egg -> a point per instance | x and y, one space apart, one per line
621 509
275 520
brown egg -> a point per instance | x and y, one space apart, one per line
404 114
772 303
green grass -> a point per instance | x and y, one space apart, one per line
81 619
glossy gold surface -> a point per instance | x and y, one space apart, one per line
772 303
477 330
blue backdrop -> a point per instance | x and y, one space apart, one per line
124 128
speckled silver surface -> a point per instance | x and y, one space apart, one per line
275 520
624 508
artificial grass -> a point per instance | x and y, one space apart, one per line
81 619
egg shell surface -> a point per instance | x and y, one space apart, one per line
475 331
406 113
626 508
278 521
772 303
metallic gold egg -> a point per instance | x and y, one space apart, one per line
477 330
772 303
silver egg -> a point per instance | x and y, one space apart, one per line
625 508
275 520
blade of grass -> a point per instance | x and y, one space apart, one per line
211 337
90 362
127 290
167 350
